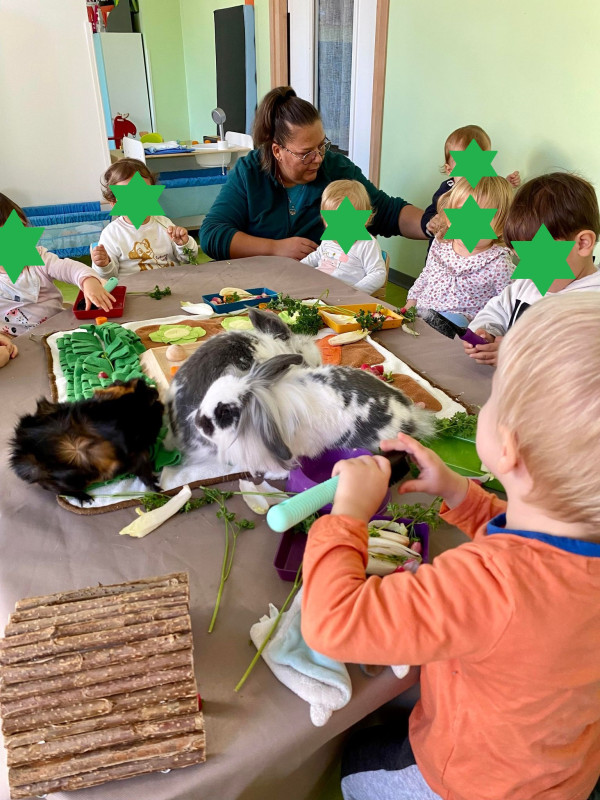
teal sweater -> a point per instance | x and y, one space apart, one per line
254 202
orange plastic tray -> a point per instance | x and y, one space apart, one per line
395 322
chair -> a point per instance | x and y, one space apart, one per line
380 293
239 139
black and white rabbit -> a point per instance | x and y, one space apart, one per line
267 419
231 353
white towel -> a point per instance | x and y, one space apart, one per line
324 683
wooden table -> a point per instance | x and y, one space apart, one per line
260 742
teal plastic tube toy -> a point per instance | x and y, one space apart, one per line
285 515
110 284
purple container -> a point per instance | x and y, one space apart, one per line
289 554
422 531
313 471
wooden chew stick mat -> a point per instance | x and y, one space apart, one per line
98 685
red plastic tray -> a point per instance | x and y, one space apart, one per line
117 310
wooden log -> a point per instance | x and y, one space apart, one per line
14 655
60 665
173 708
56 716
175 579
115 773
116 704
105 737
97 676
107 757
104 690
100 602
27 626
58 630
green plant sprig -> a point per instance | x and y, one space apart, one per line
417 513
297 584
461 424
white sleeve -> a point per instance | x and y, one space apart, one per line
313 259
494 317
374 267
111 270
191 244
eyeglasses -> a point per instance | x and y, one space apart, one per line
309 157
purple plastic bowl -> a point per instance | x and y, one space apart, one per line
422 531
289 554
313 471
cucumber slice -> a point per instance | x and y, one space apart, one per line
237 324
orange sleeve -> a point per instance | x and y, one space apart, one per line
475 511
456 607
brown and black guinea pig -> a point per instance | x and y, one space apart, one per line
64 447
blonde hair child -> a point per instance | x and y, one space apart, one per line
504 626
459 139
456 280
363 266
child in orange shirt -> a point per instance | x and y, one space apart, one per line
506 627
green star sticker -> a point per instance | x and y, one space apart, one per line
137 200
18 246
346 225
473 163
543 259
469 223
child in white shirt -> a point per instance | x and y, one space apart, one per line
567 205
454 279
33 297
363 266
124 249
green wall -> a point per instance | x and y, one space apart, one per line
199 53
164 46
524 71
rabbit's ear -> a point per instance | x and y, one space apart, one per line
269 323
273 369
257 417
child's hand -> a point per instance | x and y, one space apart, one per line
6 342
362 486
178 235
435 477
485 354
514 179
410 304
96 294
100 257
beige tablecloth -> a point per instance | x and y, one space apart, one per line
261 744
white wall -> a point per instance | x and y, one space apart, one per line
53 146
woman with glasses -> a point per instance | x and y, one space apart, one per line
271 202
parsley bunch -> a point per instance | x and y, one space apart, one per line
461 424
308 320
417 513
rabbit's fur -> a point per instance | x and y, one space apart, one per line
231 353
267 419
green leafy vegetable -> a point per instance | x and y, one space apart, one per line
417 513
158 294
371 320
461 424
308 320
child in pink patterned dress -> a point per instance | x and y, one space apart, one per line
454 279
